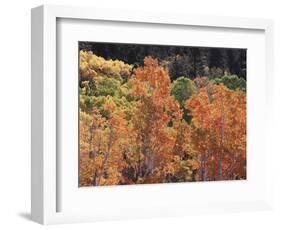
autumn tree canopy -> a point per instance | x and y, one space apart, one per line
138 125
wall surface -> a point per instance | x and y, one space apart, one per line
15 113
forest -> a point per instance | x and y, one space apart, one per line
161 114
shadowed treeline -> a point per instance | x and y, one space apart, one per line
181 61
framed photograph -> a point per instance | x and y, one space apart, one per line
143 114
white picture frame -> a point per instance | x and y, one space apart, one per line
46 182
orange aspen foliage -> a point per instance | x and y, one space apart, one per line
219 132
155 116
104 163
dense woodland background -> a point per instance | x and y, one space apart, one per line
159 114
182 61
